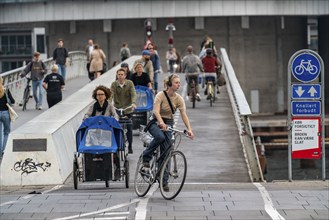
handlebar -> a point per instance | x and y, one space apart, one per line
121 110
169 128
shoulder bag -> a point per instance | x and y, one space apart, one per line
12 113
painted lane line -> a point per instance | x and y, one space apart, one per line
99 211
268 204
52 189
141 209
110 218
30 196
117 213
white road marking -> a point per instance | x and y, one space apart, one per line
99 211
31 195
141 209
268 204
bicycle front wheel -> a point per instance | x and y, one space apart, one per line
142 180
26 97
172 175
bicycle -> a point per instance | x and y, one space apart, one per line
174 164
26 94
210 87
192 93
124 122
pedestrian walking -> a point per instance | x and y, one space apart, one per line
171 58
89 49
155 59
124 52
5 98
53 84
37 69
97 60
60 55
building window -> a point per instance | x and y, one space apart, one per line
10 65
16 45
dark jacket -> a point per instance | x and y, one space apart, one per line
4 100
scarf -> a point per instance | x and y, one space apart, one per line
98 108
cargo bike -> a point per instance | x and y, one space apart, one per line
144 106
100 152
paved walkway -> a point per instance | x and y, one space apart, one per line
71 87
280 201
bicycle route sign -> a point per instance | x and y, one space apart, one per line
306 107
306 67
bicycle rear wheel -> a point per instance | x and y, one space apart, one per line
26 97
175 166
142 181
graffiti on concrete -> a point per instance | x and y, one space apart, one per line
29 166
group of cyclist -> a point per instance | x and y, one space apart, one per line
192 65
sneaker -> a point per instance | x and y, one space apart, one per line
166 187
39 108
198 97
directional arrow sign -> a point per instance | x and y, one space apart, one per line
306 91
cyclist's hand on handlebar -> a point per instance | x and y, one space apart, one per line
163 126
190 134
133 106
22 74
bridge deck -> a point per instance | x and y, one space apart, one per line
214 156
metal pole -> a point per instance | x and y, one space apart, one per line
323 121
289 123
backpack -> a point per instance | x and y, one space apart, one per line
124 53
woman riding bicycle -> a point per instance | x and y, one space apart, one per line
162 117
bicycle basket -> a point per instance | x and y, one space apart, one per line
145 137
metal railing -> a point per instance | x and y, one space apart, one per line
241 111
76 67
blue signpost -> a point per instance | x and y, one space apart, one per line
306 107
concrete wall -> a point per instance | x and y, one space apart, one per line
259 54
47 142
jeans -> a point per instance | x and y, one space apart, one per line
38 95
62 70
156 73
162 138
4 129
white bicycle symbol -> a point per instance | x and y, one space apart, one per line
306 65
